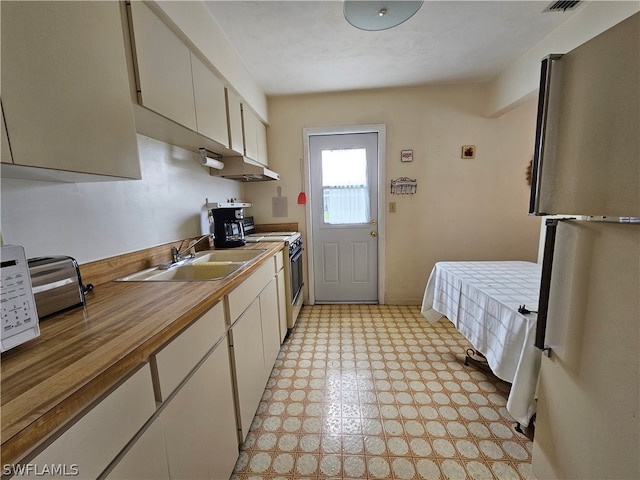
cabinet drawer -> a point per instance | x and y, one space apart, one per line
240 298
279 260
95 440
182 354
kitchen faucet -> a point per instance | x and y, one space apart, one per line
177 253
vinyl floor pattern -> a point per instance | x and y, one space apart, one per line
375 391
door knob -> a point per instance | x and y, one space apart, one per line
374 234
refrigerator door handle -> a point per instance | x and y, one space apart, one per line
545 285
541 132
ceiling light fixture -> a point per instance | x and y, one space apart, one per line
373 15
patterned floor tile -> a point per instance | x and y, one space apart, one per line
368 391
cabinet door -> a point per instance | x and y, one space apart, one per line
199 422
95 440
282 306
146 459
249 364
164 68
211 112
255 136
270 326
66 93
234 112
261 131
250 123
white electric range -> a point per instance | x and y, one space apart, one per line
292 268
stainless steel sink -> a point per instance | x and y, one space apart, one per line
198 271
207 265
227 255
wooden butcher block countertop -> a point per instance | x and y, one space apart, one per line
83 353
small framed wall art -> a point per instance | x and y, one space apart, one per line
468 151
406 155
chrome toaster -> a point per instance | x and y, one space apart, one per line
56 284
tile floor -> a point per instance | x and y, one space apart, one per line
368 391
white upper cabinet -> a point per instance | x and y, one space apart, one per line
255 137
250 128
209 95
262 144
234 112
66 93
173 81
163 68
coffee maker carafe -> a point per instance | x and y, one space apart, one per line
228 227
226 222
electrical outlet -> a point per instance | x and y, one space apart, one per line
392 207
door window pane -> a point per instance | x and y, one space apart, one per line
344 186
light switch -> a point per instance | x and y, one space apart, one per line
392 207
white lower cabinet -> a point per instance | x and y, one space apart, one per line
270 320
146 459
90 444
176 360
199 423
194 434
246 345
179 416
254 339
282 296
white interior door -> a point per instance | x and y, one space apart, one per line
344 203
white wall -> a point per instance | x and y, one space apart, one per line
520 80
91 221
463 209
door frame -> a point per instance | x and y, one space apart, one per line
381 130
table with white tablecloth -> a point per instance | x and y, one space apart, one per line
482 300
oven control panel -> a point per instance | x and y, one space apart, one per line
19 316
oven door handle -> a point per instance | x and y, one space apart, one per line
296 256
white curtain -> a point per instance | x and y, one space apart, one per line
346 204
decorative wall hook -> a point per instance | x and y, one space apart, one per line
403 186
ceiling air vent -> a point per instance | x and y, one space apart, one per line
562 6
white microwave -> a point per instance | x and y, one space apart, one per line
19 316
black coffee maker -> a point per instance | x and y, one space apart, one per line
228 227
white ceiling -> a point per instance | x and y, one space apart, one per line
293 47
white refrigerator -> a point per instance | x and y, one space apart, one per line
587 168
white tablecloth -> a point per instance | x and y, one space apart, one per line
482 299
